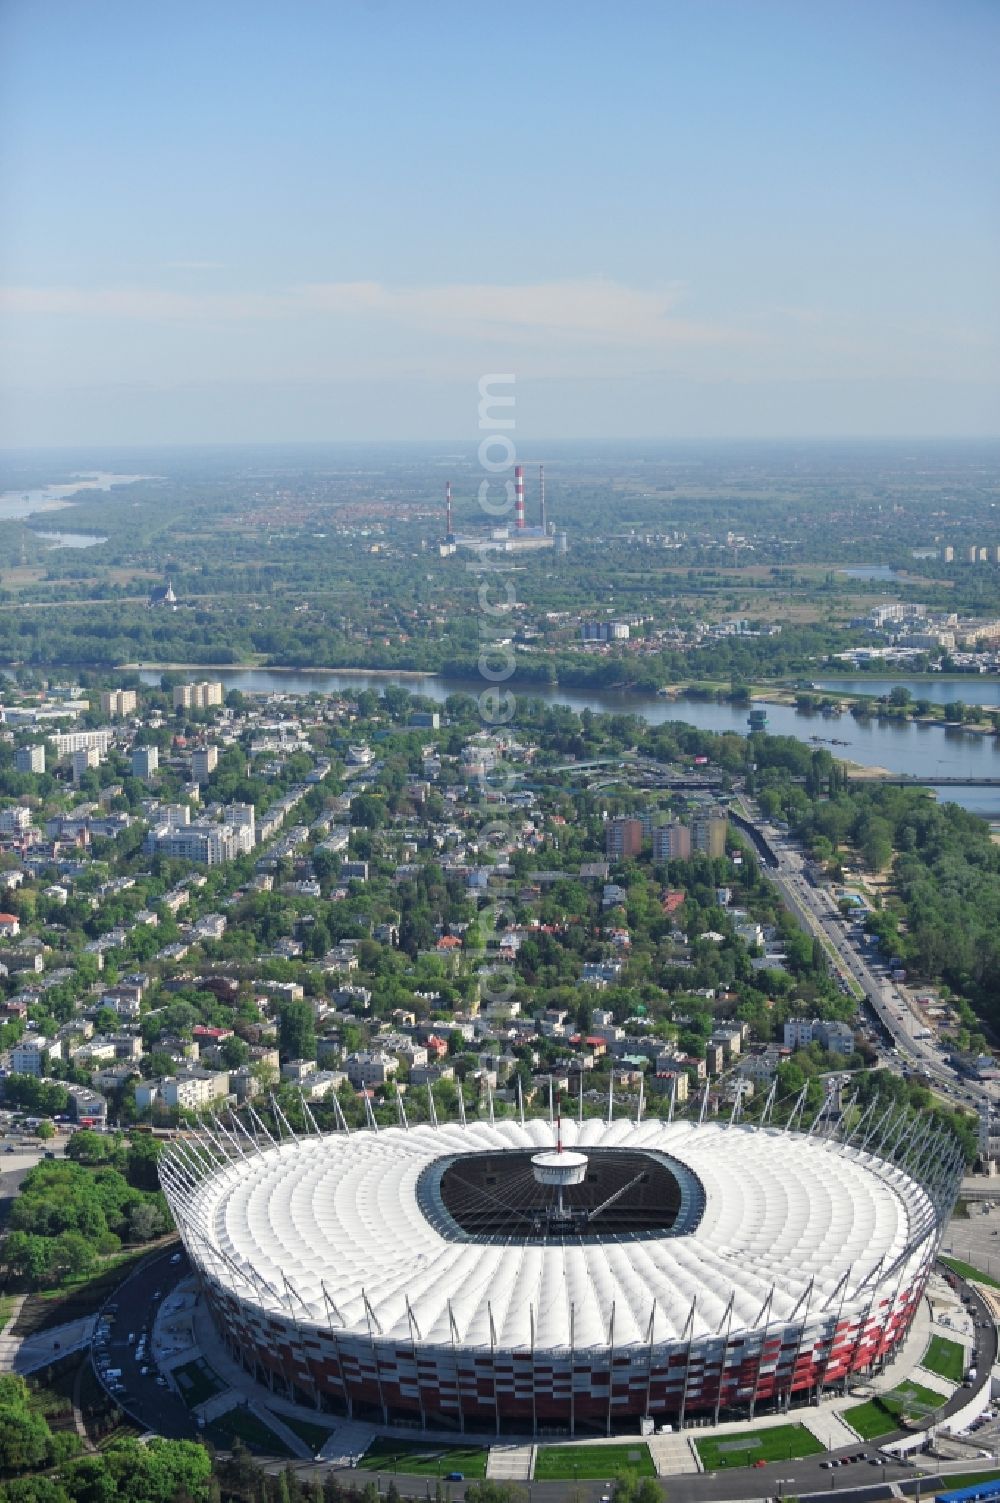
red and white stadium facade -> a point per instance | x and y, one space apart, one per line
421 1275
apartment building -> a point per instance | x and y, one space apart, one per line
671 842
118 702
200 696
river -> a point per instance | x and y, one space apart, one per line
970 688
900 746
25 503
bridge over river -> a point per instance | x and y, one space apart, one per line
913 780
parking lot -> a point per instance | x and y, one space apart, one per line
976 1238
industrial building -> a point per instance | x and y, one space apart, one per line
520 537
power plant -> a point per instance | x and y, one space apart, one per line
516 538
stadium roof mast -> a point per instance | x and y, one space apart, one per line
559 1169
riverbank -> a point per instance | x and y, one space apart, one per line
261 665
923 748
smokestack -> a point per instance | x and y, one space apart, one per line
447 509
519 496
541 497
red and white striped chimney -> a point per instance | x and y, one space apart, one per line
519 495
447 508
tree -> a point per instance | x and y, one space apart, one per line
46 1131
144 1221
28 1255
140 1162
235 1053
24 1436
876 844
296 1031
72 1254
89 1147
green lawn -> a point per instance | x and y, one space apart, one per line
946 1358
315 1436
6 1308
778 1443
592 1463
385 1455
196 1382
967 1271
966 1479
75 1297
254 1434
883 1415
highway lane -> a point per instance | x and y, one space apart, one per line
131 1312
816 911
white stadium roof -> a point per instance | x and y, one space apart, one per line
341 1214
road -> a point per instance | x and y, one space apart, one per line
817 912
132 1311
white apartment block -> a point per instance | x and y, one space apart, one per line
68 742
117 702
186 1092
14 820
203 763
241 817
200 696
30 1055
207 844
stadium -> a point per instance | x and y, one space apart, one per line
530 1276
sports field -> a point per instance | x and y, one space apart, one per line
777 1443
384 1455
592 1463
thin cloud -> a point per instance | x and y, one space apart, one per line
586 310
195 266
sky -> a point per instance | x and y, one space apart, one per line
328 219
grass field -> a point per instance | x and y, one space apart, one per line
946 1358
969 1479
592 1463
197 1382
255 1435
967 1271
423 1460
315 1436
779 1443
883 1415
76 1297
